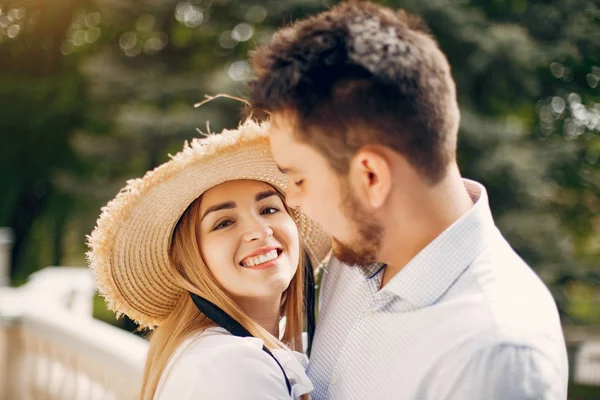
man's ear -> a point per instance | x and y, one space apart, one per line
371 176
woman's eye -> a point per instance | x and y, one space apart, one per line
299 183
222 224
269 210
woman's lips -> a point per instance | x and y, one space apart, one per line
267 264
259 252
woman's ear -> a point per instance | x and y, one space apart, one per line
371 175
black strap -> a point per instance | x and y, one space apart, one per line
224 320
309 297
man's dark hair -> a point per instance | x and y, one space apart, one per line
361 74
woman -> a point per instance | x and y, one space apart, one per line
204 249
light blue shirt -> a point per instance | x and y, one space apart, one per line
465 319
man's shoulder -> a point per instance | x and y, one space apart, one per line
498 370
514 295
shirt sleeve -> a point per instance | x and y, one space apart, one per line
499 372
236 371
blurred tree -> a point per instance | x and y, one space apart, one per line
41 103
118 80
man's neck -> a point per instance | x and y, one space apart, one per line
426 217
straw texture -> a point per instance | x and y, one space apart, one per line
129 247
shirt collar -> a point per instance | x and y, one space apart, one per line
370 270
435 268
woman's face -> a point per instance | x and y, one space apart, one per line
247 239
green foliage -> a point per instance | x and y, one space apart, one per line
101 313
583 392
42 102
95 93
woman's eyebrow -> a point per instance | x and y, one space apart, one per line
230 204
263 195
218 207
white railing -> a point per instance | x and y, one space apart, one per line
587 364
51 347
583 345
6 240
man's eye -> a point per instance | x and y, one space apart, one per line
269 210
222 224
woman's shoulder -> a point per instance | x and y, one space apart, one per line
207 364
213 341
211 347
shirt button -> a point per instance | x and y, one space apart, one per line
334 380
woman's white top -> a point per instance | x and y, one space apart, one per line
217 365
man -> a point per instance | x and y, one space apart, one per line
424 299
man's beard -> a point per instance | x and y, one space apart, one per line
364 249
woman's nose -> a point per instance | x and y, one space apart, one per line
258 230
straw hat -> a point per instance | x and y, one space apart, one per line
129 248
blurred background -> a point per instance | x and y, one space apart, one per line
95 92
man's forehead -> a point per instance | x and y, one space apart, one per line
282 137
283 120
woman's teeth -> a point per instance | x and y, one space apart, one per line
252 261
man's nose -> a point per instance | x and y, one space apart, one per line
292 197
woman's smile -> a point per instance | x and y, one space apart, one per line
262 260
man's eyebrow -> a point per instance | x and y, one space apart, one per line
263 195
218 207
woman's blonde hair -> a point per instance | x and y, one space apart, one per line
194 276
